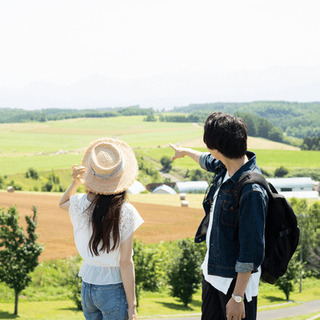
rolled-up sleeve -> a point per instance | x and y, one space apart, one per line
203 160
209 163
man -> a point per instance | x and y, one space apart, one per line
234 232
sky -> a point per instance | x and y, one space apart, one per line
157 52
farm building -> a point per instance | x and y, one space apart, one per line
295 187
192 186
136 188
291 184
301 194
164 189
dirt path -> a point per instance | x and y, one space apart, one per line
162 222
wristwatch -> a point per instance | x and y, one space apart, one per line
237 299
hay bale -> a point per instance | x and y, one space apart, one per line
182 196
10 189
184 203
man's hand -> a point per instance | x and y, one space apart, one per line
179 152
235 310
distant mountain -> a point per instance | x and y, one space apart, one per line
167 90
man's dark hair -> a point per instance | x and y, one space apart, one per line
227 134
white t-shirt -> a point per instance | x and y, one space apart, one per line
221 283
104 268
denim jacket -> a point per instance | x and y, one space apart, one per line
236 239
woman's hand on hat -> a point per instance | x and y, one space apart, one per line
77 174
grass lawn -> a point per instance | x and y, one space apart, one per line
48 310
160 303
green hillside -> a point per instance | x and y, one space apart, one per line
298 119
57 145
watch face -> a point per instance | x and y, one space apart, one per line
237 298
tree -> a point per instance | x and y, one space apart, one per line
185 274
166 163
197 175
19 253
276 134
286 282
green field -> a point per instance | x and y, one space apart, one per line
158 303
52 136
268 159
60 144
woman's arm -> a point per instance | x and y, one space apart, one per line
181 152
77 174
128 276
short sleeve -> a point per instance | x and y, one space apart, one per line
130 221
76 203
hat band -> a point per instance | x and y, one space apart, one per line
108 176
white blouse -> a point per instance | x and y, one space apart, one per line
104 268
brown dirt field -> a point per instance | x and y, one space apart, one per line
162 222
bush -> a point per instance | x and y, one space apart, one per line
47 187
185 273
74 281
150 118
197 175
2 184
313 173
15 186
147 268
32 173
281 172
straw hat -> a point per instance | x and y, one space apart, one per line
111 166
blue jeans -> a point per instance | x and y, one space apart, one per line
104 302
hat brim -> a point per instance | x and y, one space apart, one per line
116 184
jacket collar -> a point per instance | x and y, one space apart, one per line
248 166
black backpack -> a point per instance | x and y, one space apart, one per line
281 229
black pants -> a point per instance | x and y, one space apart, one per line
214 303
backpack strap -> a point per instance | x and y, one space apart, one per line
250 178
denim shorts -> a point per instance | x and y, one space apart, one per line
104 302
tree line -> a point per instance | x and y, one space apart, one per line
296 119
280 118
19 115
257 126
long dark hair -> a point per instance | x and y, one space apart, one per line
105 220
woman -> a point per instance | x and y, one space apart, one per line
103 224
